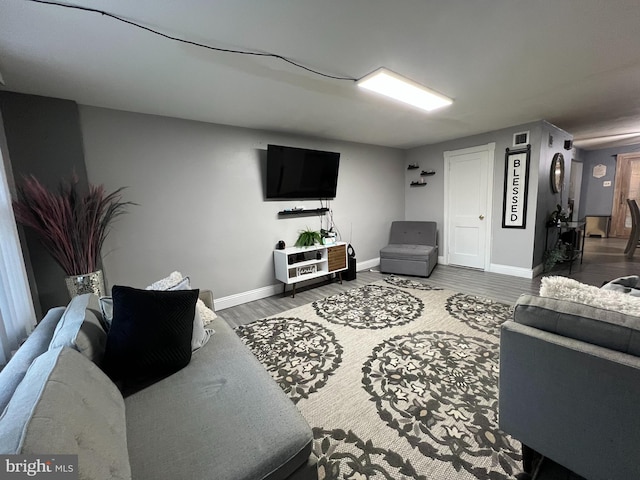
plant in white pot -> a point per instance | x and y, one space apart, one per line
71 225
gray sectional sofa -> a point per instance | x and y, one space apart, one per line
221 417
570 381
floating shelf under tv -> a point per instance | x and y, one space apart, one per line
306 211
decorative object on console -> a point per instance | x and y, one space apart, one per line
558 216
328 236
71 225
308 238
281 245
561 250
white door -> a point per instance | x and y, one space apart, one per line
468 192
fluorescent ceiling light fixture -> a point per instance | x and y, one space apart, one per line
396 86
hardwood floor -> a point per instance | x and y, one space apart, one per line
603 260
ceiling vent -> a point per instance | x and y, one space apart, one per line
521 139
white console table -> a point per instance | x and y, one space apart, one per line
296 264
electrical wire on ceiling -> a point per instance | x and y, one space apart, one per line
189 42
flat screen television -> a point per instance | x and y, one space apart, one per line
299 173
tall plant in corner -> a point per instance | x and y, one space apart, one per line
72 225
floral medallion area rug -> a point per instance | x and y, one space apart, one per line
398 380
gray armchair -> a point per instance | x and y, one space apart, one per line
412 249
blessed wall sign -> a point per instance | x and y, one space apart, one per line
516 186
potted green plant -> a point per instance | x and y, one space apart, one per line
555 255
308 238
71 225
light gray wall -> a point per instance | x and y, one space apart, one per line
201 206
596 199
510 247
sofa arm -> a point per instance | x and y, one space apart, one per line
573 402
207 297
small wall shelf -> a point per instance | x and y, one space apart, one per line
427 173
418 184
413 166
306 211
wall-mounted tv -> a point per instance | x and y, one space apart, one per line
299 173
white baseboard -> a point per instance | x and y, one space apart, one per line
367 264
271 290
506 269
249 296
513 271
538 269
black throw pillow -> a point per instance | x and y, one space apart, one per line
150 336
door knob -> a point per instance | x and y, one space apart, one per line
481 217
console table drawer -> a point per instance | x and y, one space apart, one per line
337 257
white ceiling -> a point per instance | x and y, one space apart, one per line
575 63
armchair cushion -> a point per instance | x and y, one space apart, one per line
413 233
407 252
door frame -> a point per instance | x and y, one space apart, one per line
619 206
575 186
490 148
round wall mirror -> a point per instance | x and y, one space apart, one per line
557 172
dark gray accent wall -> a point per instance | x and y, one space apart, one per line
552 140
43 138
595 198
